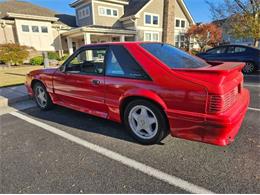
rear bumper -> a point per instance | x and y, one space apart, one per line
219 129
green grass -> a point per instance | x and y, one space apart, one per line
15 75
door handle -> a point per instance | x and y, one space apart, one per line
96 82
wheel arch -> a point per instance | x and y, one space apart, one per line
144 95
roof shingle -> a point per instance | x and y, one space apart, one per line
134 7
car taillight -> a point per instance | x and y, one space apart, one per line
220 103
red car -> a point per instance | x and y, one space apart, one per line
153 88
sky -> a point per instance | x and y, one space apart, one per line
198 8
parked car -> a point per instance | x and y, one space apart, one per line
153 88
235 53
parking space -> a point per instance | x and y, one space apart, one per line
35 160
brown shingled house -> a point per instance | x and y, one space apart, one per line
95 21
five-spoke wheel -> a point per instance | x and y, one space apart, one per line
249 68
146 121
42 97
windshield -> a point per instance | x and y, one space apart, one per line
173 57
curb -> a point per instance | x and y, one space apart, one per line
4 102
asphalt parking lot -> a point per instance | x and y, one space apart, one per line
65 151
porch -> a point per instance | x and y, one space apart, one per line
78 37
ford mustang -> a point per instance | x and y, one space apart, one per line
153 88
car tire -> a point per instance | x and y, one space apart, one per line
146 122
41 96
249 68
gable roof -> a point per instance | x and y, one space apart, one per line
22 7
134 7
14 7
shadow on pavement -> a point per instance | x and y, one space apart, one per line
80 121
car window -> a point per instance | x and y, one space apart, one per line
120 63
173 57
89 61
235 49
219 50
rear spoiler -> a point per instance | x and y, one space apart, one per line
217 68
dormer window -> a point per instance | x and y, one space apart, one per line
106 11
151 19
83 12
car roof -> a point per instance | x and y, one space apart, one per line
120 43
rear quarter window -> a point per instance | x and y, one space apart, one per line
173 57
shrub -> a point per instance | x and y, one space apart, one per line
13 54
38 60
65 57
53 56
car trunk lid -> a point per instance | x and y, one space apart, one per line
224 82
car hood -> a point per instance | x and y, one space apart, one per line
43 71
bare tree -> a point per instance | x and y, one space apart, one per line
242 17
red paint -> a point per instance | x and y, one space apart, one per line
184 95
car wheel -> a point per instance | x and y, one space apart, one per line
42 98
249 68
146 122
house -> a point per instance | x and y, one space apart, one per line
94 21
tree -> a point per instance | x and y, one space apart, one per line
205 34
13 54
242 17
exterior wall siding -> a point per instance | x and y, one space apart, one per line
107 20
154 7
38 40
8 34
87 20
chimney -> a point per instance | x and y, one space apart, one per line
168 21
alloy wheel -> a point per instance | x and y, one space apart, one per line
143 122
41 96
249 68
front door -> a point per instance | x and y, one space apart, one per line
79 83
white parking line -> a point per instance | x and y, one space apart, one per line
254 109
251 85
170 179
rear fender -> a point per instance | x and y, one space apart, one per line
142 93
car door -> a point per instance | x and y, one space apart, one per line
236 54
216 54
79 83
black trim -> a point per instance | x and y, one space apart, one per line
126 77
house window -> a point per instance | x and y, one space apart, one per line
180 40
35 29
183 23
148 19
177 24
151 19
44 29
25 28
151 36
105 11
83 13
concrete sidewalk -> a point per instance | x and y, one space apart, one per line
12 95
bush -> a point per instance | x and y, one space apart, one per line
13 54
64 57
53 56
38 60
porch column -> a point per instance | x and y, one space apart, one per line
70 46
87 39
122 38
